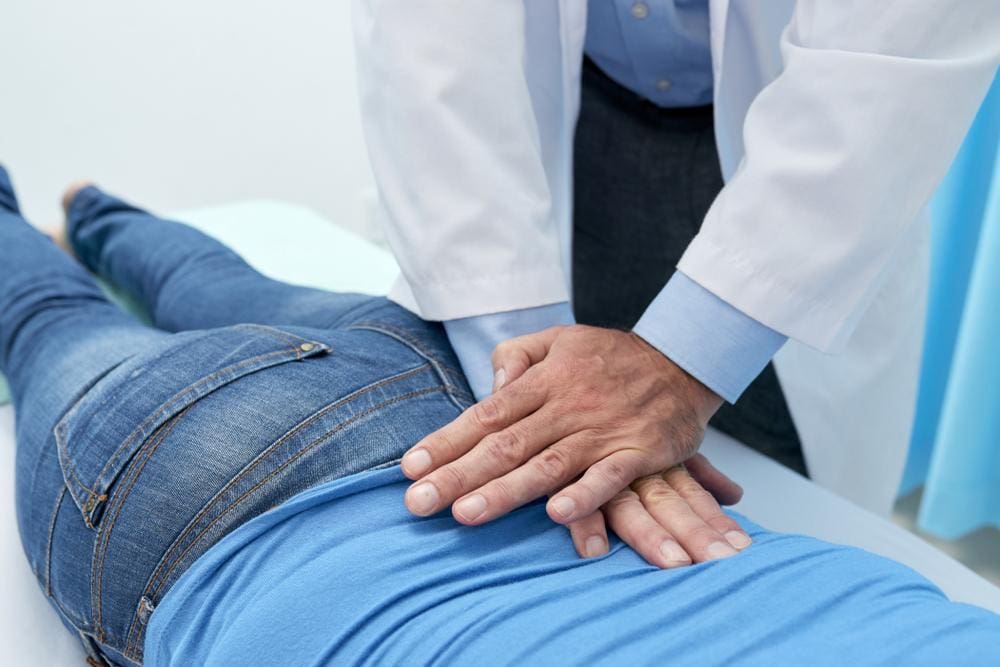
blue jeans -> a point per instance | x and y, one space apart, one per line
139 447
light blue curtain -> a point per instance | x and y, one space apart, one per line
955 447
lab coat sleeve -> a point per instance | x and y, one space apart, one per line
455 149
841 151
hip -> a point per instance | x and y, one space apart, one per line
171 451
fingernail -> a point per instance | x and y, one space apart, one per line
594 546
717 550
417 462
737 539
673 553
498 379
564 506
422 498
470 508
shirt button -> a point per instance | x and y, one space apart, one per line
663 85
640 10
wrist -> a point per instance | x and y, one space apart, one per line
724 348
699 397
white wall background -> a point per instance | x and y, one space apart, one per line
183 103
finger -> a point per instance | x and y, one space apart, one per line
492 414
551 468
632 522
599 484
725 490
590 537
670 510
706 507
513 357
493 457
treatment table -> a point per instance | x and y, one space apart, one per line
297 245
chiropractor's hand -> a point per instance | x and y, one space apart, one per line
598 406
671 519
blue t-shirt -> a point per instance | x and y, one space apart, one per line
343 574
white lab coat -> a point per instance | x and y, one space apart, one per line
835 120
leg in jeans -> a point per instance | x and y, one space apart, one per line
188 280
58 334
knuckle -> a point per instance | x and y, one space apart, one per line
552 464
450 480
614 473
488 413
505 448
501 494
439 442
622 501
642 485
693 491
658 494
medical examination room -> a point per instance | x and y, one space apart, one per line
500 332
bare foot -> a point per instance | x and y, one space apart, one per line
70 193
58 234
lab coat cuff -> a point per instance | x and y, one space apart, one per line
721 346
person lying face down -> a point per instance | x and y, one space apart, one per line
222 487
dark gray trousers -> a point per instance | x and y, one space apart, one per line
644 177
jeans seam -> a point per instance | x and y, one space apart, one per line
454 393
79 624
76 402
104 538
132 646
48 542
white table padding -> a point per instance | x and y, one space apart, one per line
297 245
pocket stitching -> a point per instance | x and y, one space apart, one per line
273 332
171 403
104 539
181 396
133 651
319 414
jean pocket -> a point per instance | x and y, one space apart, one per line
102 431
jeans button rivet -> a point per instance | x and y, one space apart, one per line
305 347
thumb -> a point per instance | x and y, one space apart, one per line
513 357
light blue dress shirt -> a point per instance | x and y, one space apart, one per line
721 346
659 49
475 337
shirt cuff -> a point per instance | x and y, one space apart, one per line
474 338
721 346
